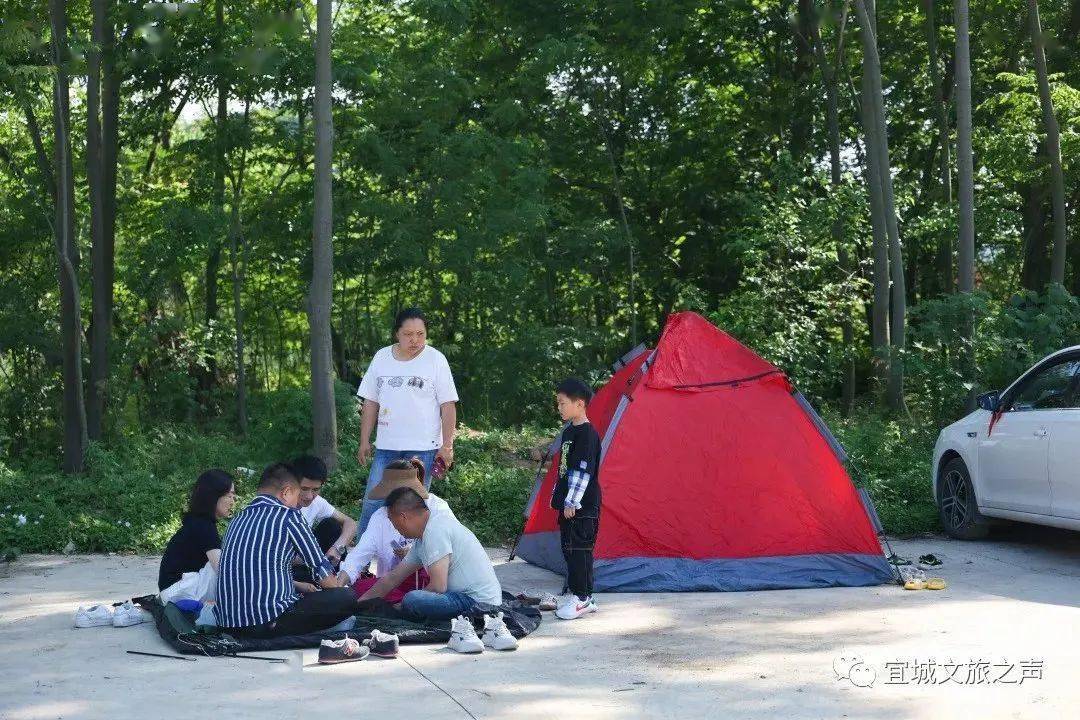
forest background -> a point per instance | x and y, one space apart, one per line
210 212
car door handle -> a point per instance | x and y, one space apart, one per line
1041 432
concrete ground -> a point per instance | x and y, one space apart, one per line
1010 612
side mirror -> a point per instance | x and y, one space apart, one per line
990 401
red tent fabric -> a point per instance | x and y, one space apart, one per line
714 477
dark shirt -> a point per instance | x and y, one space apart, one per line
186 551
579 472
255 582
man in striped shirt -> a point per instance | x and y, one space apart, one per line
256 596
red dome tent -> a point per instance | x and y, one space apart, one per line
716 475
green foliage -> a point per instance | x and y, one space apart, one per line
134 490
793 296
891 458
490 482
1009 338
547 180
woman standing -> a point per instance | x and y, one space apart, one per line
409 391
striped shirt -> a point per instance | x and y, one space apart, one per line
255 583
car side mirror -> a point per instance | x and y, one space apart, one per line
990 401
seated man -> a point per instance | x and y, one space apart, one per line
461 576
255 588
332 528
381 541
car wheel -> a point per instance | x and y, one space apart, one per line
956 503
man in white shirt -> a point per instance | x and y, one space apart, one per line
408 397
382 542
332 528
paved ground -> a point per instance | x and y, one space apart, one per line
1013 602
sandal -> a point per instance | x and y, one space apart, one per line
915 585
935 583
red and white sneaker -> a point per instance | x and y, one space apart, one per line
575 607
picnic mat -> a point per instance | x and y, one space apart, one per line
178 628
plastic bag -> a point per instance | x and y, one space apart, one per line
200 586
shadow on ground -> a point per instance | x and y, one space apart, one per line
754 655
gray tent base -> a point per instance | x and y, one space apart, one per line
657 574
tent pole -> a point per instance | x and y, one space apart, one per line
536 479
897 577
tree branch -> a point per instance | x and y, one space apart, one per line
42 157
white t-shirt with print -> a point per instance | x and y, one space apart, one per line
409 394
319 509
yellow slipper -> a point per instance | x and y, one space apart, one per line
935 584
915 585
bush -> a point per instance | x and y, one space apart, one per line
1009 338
891 459
134 490
491 482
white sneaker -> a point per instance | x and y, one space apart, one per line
496 636
130 614
463 637
575 608
93 616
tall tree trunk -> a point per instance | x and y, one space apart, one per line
110 158
40 154
879 316
897 295
238 263
1034 272
1053 146
832 118
213 259
324 416
964 158
965 166
945 250
75 438
101 149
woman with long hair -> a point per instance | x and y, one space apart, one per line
197 544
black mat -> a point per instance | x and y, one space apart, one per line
178 628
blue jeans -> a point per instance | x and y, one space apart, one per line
437 606
379 460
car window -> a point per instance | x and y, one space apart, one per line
1054 388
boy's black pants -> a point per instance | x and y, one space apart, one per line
578 537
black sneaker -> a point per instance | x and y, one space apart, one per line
382 644
341 651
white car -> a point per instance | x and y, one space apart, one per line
1018 456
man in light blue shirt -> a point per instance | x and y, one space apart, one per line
462 578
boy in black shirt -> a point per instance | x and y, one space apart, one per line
577 497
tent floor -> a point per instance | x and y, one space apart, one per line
758 655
